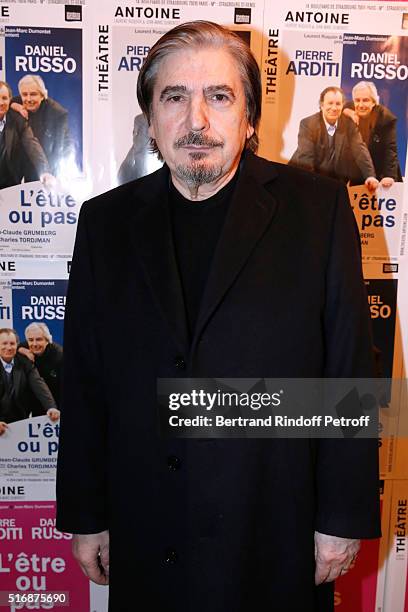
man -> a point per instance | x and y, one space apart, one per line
378 128
200 266
329 143
17 143
48 121
46 355
19 382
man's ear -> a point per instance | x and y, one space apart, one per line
250 130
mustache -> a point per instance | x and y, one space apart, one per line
200 140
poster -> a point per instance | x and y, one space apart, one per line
379 220
37 569
123 36
396 569
382 284
307 47
54 55
44 175
39 301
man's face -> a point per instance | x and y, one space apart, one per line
198 115
36 341
363 102
4 101
332 106
8 347
31 96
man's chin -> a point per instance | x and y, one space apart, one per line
198 173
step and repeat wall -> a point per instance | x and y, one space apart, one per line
86 135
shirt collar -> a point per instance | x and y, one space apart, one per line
330 125
7 366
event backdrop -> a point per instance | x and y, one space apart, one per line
88 54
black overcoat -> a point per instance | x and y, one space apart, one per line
212 525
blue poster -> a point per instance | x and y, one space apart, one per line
40 301
54 55
382 60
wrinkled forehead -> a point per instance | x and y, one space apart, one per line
31 87
198 67
363 92
333 96
7 337
36 334
4 91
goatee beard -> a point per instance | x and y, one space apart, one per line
197 174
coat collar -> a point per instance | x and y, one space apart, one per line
251 210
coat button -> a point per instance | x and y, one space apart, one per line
179 362
170 556
173 463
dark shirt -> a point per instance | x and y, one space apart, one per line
197 227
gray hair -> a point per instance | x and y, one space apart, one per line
41 326
371 88
38 82
196 34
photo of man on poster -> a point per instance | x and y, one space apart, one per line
49 123
329 143
23 392
378 128
17 145
46 355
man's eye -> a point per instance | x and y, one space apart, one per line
175 98
220 97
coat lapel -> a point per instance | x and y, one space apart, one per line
250 213
8 137
372 122
17 378
241 232
154 243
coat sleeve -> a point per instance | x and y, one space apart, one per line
361 154
347 479
304 156
40 389
82 458
32 148
64 142
390 167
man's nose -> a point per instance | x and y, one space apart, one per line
198 120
